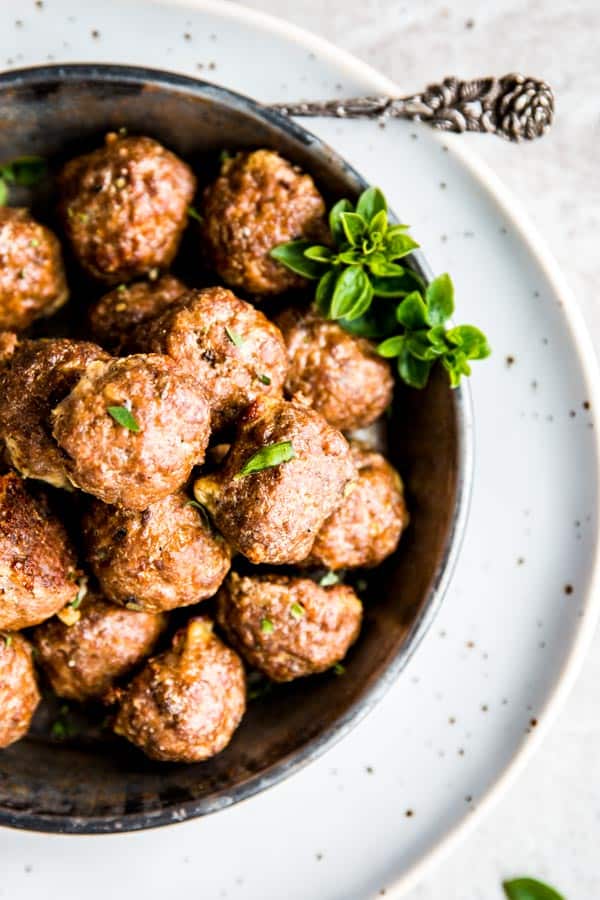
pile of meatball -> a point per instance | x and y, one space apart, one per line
145 429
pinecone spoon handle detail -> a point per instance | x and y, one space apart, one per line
514 107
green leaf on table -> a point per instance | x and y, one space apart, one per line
291 255
530 889
439 297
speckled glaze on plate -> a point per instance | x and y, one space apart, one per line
483 686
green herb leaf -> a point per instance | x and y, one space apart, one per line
380 266
471 340
194 214
370 203
291 255
378 224
529 889
354 227
352 294
335 220
391 346
399 244
234 337
264 379
7 638
266 626
3 192
390 287
297 610
81 593
339 669
124 417
267 457
414 372
418 344
328 579
319 253
439 297
412 312
25 170
324 292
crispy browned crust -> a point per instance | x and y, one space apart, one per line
37 377
366 527
37 562
19 694
274 515
340 375
124 207
186 703
259 201
32 275
195 334
84 660
114 316
287 627
118 465
161 558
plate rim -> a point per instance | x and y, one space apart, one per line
507 202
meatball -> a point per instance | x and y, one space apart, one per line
37 563
338 374
32 276
19 695
37 377
132 429
116 314
227 344
164 557
186 703
124 207
259 201
272 515
83 661
287 627
366 528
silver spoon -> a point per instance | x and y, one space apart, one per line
514 107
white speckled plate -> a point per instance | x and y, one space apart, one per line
486 681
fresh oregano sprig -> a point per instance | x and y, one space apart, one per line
25 171
361 277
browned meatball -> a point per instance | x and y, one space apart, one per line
124 207
32 276
186 703
37 377
37 563
137 463
338 374
19 695
161 558
114 316
366 527
259 201
288 627
273 515
83 660
227 344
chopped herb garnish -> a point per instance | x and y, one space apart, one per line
194 214
266 626
34 242
224 155
530 889
264 379
364 284
122 288
7 638
63 727
297 610
83 589
328 579
25 171
124 417
267 457
339 669
234 337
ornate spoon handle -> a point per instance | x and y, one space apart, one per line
514 107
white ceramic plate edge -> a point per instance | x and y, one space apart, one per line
521 224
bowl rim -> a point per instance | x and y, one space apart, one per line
340 727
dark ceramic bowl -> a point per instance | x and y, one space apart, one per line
93 783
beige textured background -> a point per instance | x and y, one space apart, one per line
548 825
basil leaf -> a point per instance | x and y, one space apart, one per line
418 343
351 290
324 292
398 286
26 170
379 223
456 365
370 203
397 229
414 372
267 457
412 312
385 269
349 257
291 255
529 889
471 341
124 417
378 322
3 192
363 303
391 347
335 220
398 245
354 227
437 338
439 297
319 253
